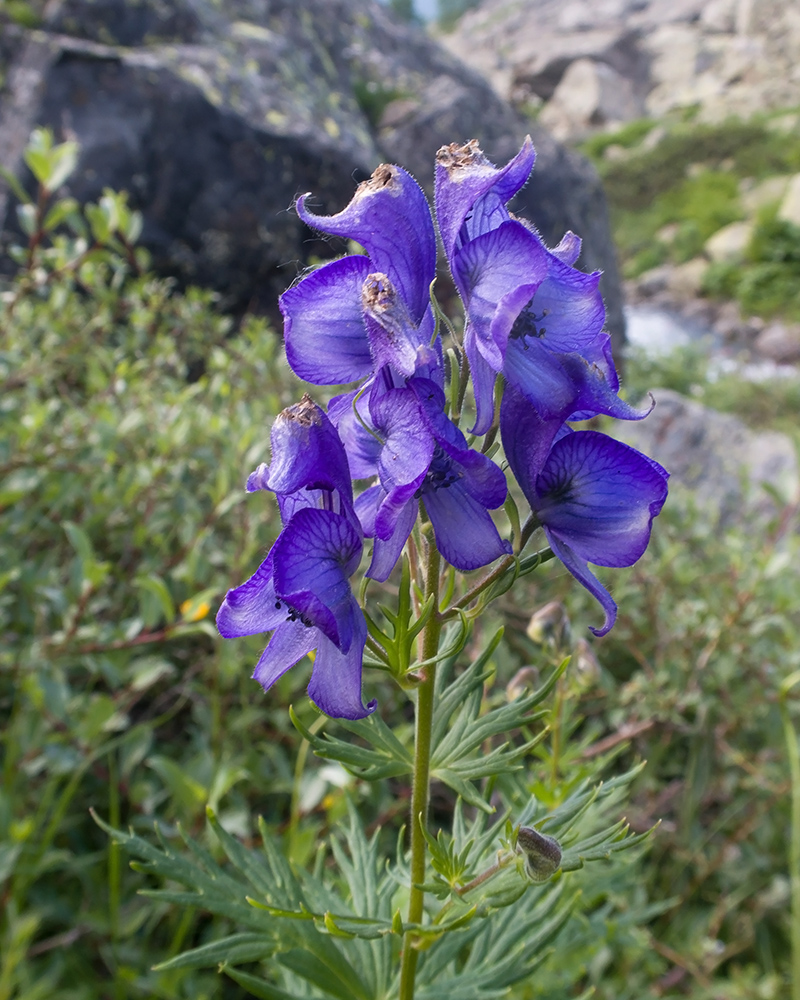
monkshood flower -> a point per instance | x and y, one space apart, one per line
595 497
348 318
530 314
403 436
301 592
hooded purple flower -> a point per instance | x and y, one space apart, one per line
301 592
348 318
530 314
595 497
418 453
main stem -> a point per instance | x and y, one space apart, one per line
422 772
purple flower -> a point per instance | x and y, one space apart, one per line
418 454
301 592
530 314
347 318
595 497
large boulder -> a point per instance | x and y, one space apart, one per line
723 56
214 117
733 473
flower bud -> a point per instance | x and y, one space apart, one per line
542 853
585 666
550 626
525 679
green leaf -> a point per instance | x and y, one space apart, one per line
256 987
19 191
341 982
62 209
243 947
386 758
189 794
155 586
26 215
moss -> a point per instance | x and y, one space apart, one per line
700 205
752 149
373 98
768 283
628 136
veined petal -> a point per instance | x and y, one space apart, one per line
314 557
497 274
362 448
483 380
600 497
527 439
540 376
335 685
307 452
386 551
594 392
466 536
483 480
409 444
367 505
467 183
569 249
567 309
389 216
577 566
394 508
250 608
326 340
290 642
394 339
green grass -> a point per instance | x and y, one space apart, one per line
690 180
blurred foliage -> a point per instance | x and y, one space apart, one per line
767 282
745 148
667 198
766 405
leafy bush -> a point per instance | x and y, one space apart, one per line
767 283
129 414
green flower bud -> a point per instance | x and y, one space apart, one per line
542 853
549 626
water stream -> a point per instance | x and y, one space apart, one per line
658 332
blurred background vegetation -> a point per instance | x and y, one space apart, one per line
131 414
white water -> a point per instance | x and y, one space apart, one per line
658 332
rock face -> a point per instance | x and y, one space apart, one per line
215 117
727 56
725 464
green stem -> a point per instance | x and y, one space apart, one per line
474 592
429 643
294 809
793 753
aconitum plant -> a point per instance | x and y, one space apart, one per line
382 491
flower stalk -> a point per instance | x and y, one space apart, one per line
420 793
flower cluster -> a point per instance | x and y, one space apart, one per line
368 319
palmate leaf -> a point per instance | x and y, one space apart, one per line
492 955
305 946
385 757
234 948
461 733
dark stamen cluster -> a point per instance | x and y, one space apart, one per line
293 615
526 325
441 474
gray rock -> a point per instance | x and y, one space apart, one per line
789 210
727 56
590 93
779 342
731 242
215 117
730 469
